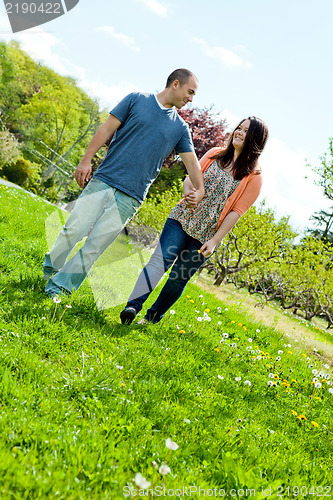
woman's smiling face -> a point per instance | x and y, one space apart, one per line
239 136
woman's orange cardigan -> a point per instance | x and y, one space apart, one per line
244 195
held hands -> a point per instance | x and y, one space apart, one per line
208 248
192 198
83 172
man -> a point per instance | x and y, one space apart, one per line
145 128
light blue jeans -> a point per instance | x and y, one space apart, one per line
100 213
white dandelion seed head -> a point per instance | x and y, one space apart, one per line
187 421
238 379
141 481
326 366
314 380
225 335
280 352
278 358
270 382
164 470
154 464
327 376
330 390
172 312
220 377
317 385
314 371
171 445
250 340
321 374
219 323
119 367
258 357
271 375
247 382
257 330
56 299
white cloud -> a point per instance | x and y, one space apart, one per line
154 6
226 57
286 187
128 41
108 96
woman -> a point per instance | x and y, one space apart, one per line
233 180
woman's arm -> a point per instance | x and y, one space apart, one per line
227 224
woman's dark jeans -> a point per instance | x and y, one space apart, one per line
174 247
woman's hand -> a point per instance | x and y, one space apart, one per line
190 198
208 248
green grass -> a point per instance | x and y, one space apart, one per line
74 425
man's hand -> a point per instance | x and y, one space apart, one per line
208 248
83 172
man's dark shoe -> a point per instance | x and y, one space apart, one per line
127 315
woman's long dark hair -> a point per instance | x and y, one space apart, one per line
255 140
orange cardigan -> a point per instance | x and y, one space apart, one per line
244 195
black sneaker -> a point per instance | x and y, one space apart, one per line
127 315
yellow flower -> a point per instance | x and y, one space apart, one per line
268 366
240 324
188 296
123 384
302 417
276 376
244 328
314 424
182 331
316 397
192 301
294 413
217 349
286 384
207 310
293 380
289 352
304 355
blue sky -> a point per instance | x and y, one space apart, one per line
269 58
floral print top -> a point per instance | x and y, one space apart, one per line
201 222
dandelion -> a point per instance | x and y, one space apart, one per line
280 352
314 424
226 309
182 331
225 335
327 376
238 379
141 481
56 299
250 340
314 371
278 358
257 330
172 312
294 413
271 375
220 377
154 464
270 383
119 367
187 421
258 358
233 344
330 390
222 341
326 366
199 319
164 470
314 380
171 445
247 382
317 385
219 323
207 310
301 417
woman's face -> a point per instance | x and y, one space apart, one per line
238 139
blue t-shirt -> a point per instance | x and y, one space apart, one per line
146 136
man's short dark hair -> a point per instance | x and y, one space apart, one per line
181 74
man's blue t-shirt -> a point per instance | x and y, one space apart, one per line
146 136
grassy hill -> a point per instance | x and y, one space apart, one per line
86 403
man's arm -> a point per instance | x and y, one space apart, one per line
105 132
195 174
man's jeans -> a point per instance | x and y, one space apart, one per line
100 212
174 245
